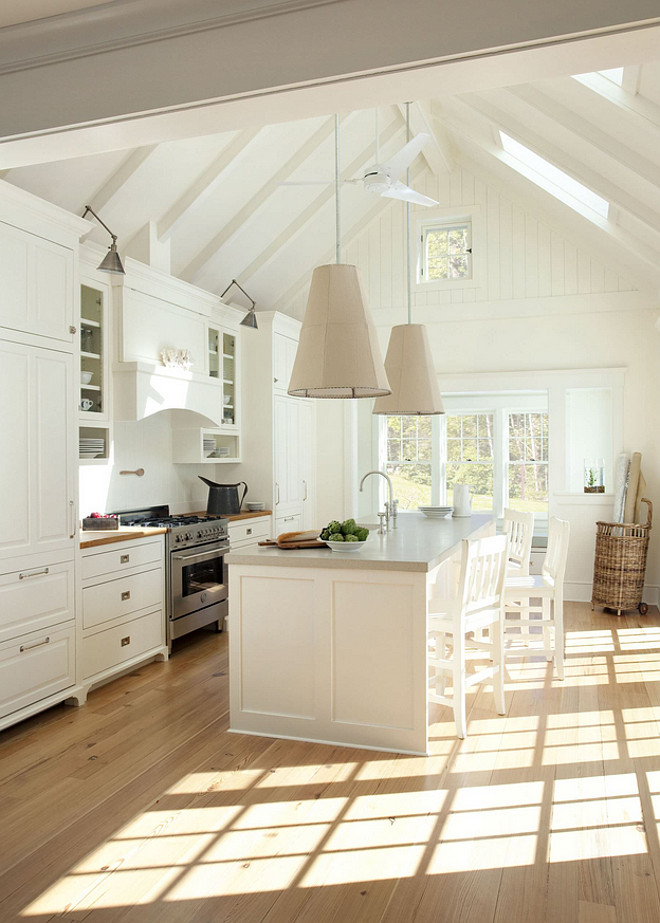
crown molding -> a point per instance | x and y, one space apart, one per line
126 24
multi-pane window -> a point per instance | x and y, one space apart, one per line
447 252
528 461
409 459
470 456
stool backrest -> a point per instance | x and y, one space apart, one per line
554 563
483 568
520 529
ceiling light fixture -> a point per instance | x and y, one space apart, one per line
250 319
111 262
338 354
408 361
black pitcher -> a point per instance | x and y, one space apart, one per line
224 498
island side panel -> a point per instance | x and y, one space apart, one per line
360 634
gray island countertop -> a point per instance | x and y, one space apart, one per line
417 544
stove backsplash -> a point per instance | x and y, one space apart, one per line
147 444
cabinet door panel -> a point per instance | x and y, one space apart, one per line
14 275
15 454
52 296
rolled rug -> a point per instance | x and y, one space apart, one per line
620 484
632 488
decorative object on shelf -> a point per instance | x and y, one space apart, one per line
139 472
250 319
594 477
176 358
96 521
91 446
86 338
338 354
86 404
111 262
86 377
408 361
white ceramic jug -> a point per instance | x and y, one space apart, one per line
462 500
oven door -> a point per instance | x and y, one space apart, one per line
197 579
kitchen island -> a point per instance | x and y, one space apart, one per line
331 647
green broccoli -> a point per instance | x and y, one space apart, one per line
334 526
362 534
348 527
351 538
325 534
336 537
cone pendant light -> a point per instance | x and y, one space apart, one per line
408 361
338 352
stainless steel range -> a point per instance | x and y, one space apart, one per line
197 588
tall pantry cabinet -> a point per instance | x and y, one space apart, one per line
279 432
38 461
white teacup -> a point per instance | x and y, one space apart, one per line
86 404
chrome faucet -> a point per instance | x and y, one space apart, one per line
390 504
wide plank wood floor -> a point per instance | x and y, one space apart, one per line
141 807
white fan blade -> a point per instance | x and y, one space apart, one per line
406 194
397 165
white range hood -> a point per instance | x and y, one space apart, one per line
142 389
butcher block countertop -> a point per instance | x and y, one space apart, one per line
92 537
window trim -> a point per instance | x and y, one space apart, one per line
438 217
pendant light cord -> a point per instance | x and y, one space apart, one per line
337 196
408 228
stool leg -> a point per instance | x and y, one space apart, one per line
558 613
459 686
547 640
497 633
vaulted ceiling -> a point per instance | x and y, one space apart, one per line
229 206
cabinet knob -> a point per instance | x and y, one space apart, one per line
248 531
126 595
124 558
126 641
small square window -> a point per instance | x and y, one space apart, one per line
446 252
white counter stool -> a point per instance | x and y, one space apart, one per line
548 587
478 606
520 529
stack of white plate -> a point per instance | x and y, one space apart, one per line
209 446
91 447
436 512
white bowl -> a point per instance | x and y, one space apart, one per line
346 546
255 505
86 377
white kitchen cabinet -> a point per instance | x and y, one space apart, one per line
35 668
36 598
37 284
278 430
38 464
123 608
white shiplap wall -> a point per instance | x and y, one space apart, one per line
522 254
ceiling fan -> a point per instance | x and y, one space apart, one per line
383 178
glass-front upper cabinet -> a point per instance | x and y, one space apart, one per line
223 365
93 353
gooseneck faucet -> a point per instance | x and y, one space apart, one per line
391 504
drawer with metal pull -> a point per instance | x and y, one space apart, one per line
35 598
249 531
117 598
35 666
122 556
114 646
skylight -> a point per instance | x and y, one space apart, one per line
552 179
615 74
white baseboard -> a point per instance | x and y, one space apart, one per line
581 592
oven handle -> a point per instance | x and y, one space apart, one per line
201 554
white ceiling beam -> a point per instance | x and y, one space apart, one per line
625 253
113 185
439 155
207 253
298 224
521 132
574 123
637 105
201 187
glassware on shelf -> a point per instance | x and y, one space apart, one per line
594 475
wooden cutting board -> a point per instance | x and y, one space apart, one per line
293 546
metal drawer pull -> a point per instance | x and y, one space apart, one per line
33 573
124 558
30 647
288 518
248 531
126 641
126 595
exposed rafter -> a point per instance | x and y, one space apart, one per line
113 185
439 154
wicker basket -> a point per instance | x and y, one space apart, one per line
620 563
